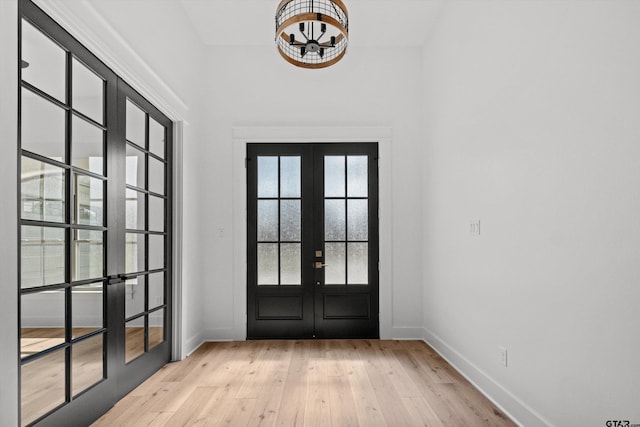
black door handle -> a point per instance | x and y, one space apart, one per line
119 278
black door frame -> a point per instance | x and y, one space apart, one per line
311 313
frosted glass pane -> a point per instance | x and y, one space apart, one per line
134 252
89 201
267 220
88 146
156 176
357 182
335 258
42 127
156 138
267 263
156 213
267 176
42 256
42 385
47 62
134 296
33 309
289 176
334 176
135 124
135 167
87 258
357 220
334 220
156 290
87 363
290 215
290 273
88 92
87 305
358 262
156 252
42 191
135 210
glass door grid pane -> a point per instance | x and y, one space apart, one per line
62 230
346 220
145 231
279 214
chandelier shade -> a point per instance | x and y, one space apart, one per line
312 33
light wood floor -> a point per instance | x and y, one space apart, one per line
307 383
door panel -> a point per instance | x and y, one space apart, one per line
312 240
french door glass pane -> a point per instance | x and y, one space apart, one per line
335 258
43 191
334 220
357 176
87 314
290 176
87 363
89 200
42 321
156 251
156 138
156 213
135 167
43 127
88 258
88 92
156 328
267 263
42 385
358 262
47 62
134 252
134 296
156 175
358 219
134 339
267 220
334 176
135 210
290 220
267 176
42 256
88 146
135 124
290 257
156 290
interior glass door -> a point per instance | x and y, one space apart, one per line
312 244
94 230
64 340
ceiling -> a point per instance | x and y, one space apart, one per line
371 22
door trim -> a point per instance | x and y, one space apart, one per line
300 135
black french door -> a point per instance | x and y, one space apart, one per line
312 241
94 227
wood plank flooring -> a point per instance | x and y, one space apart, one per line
307 383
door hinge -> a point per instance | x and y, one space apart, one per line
246 162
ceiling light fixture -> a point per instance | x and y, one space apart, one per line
312 33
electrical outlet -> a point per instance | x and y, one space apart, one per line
502 356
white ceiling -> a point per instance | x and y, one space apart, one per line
371 22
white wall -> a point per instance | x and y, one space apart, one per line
253 86
532 111
8 214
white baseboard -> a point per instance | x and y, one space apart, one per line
515 408
405 333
